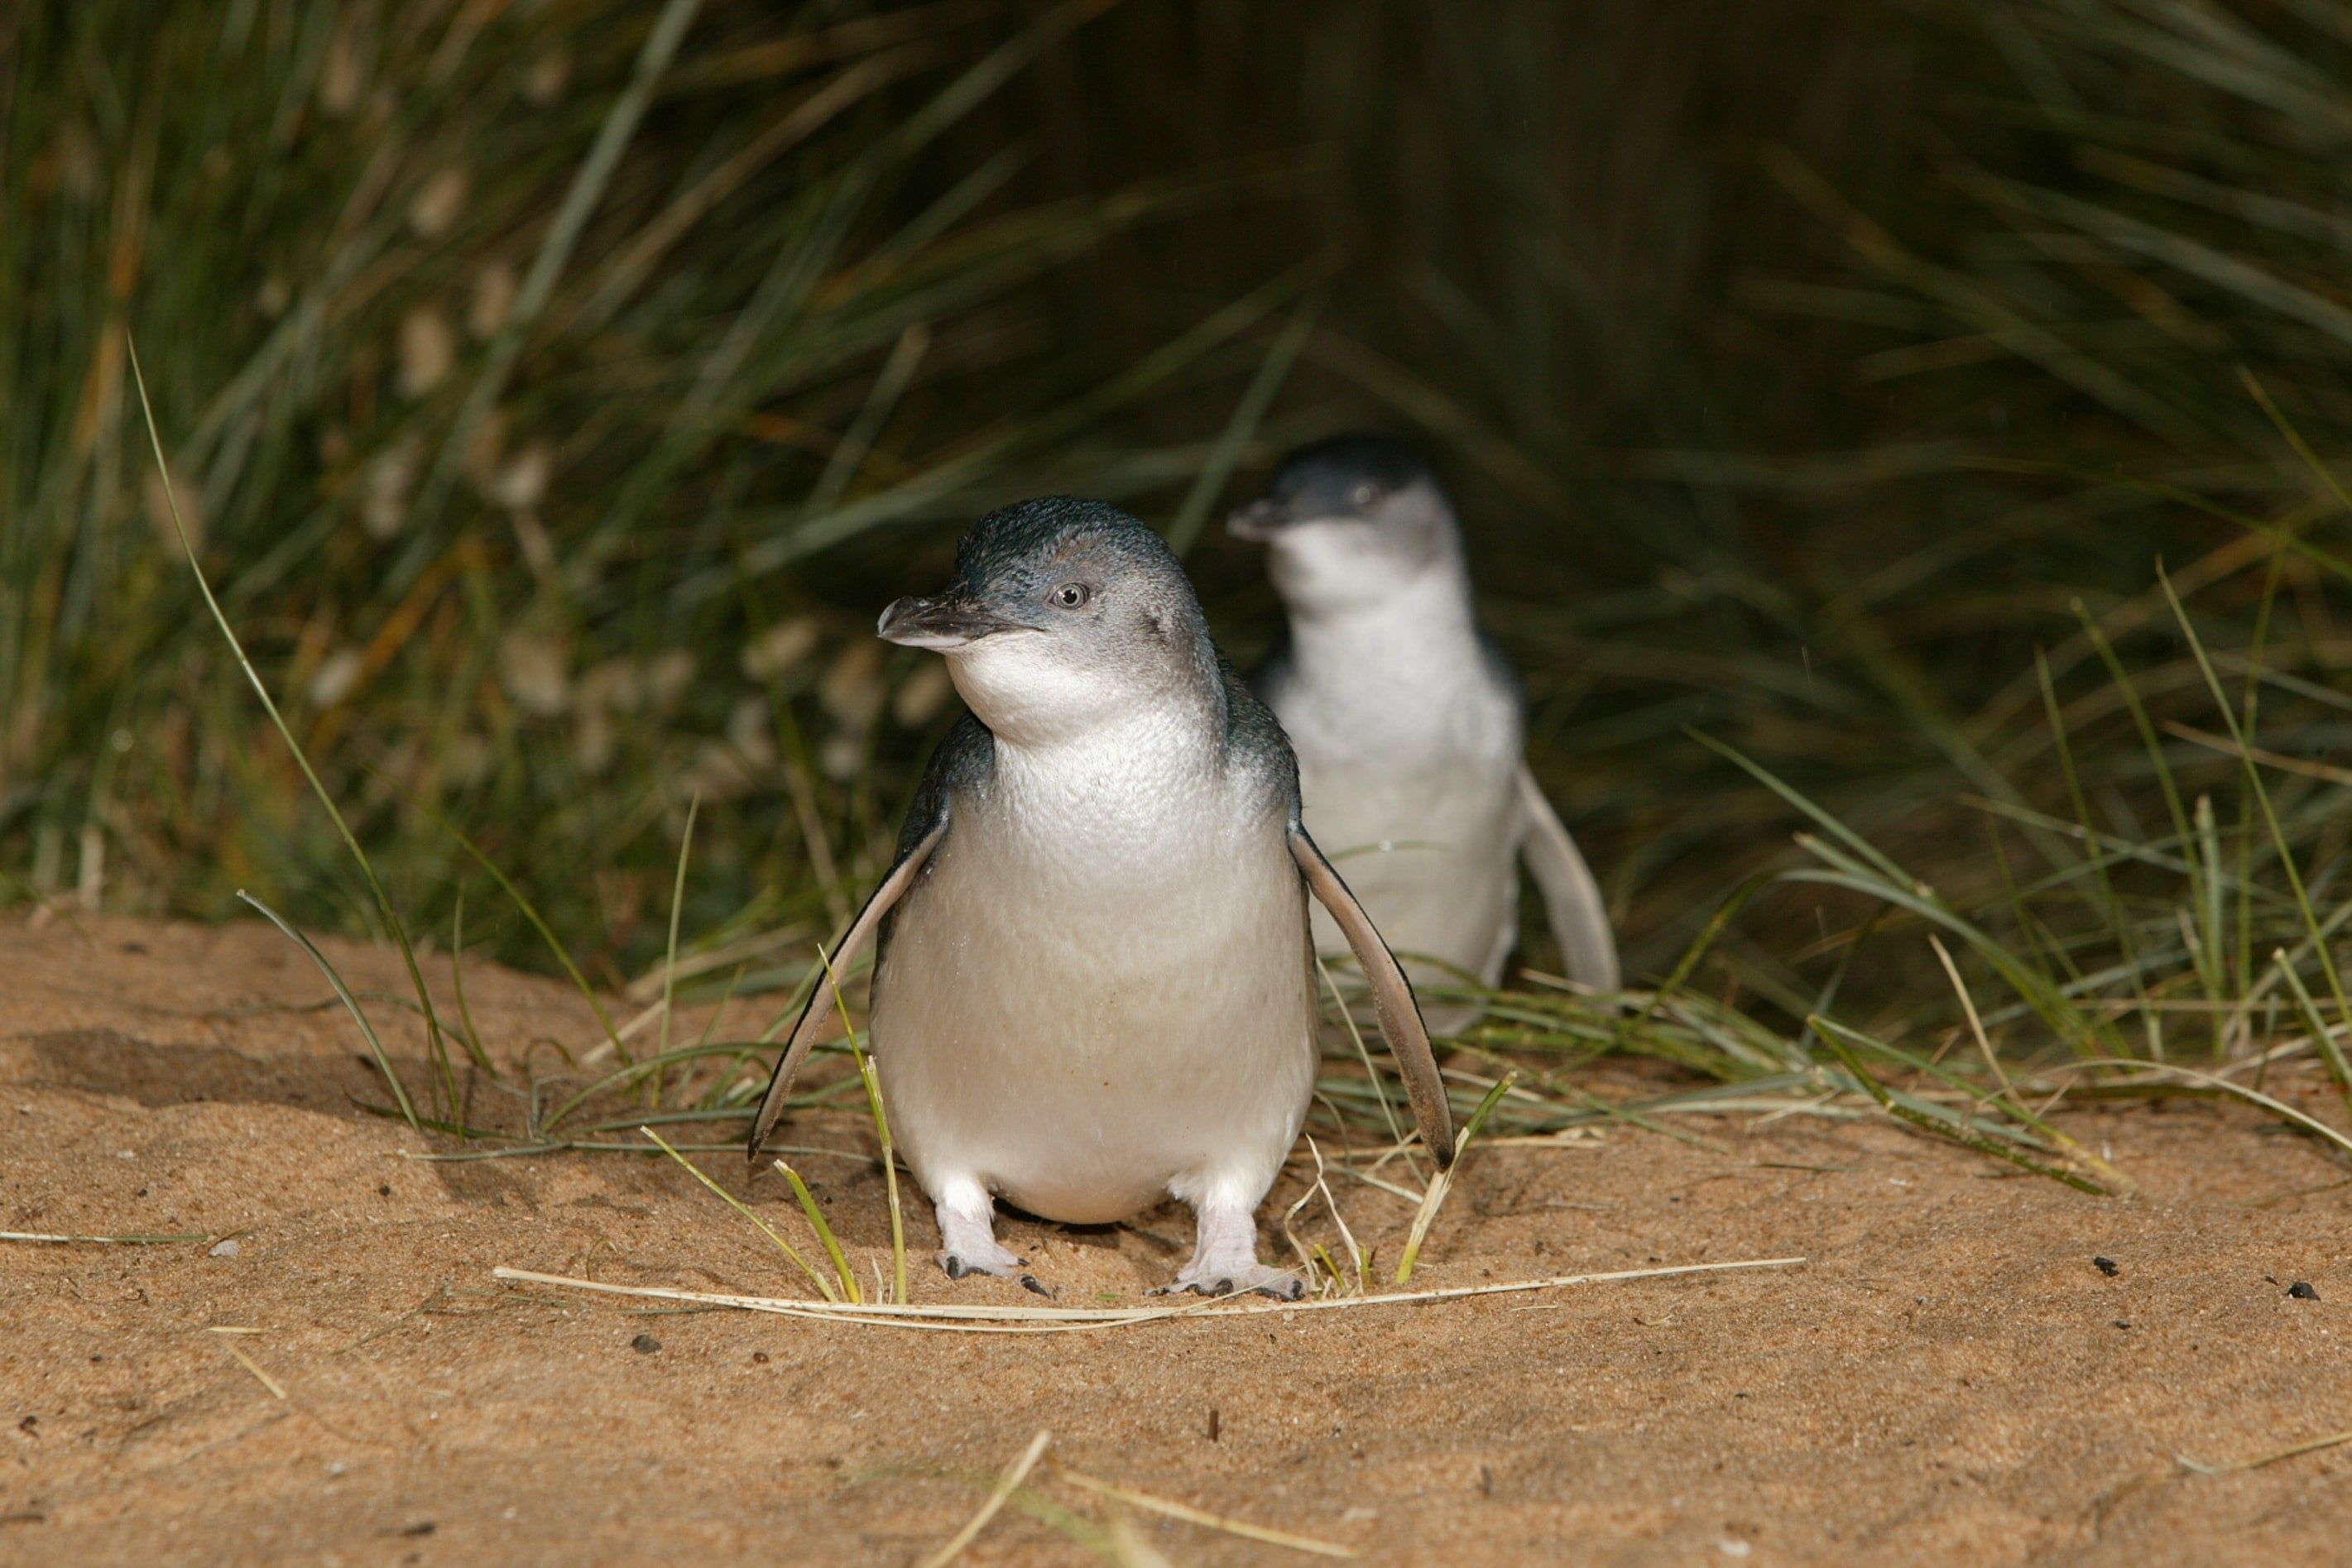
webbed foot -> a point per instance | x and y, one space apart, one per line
967 1243
1245 1279
969 1257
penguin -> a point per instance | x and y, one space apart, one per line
1094 986
1409 723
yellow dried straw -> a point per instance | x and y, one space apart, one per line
1005 1484
2233 1466
1079 1319
276 1390
1175 1509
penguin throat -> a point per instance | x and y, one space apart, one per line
1417 632
1034 701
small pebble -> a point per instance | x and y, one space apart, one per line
2121 1325
2106 1266
645 1344
422 1527
2302 1291
385 1191
758 1358
224 1249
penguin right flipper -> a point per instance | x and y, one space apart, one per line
1580 916
1393 997
812 1016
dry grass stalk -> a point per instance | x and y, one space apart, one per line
2233 1466
1190 1515
277 1389
1068 1319
102 1240
1014 1474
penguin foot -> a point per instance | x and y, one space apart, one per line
971 1259
967 1243
1250 1279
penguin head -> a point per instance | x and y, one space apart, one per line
1349 521
1064 614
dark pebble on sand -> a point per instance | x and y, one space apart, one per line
2302 1291
2106 1266
645 1344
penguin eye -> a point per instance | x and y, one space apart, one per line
1070 595
1364 495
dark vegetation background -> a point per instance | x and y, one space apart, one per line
1798 366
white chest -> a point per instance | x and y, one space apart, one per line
1101 987
1408 747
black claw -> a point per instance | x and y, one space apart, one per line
954 1266
1030 1283
1225 1288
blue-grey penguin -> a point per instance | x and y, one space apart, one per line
1093 984
1408 722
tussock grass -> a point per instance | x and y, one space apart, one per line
1966 498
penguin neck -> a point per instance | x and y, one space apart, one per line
1103 762
1423 635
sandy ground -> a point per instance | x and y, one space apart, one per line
1950 1379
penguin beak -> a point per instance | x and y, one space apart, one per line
1260 519
950 621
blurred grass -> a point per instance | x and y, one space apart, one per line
1822 383
484 339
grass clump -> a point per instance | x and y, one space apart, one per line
1954 479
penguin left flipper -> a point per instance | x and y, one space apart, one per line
812 1016
1580 916
1393 997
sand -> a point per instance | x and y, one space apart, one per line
1948 1378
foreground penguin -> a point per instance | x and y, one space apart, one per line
1407 723
1093 988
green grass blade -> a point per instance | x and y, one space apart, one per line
872 1079
580 201
2321 1039
824 1287
435 1047
474 1046
2262 797
1433 1198
530 911
1184 530
817 1222
669 955
351 1004
1832 1033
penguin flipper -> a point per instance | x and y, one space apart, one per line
812 1016
1579 917
1392 998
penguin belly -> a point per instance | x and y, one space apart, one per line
1431 854
1085 1023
